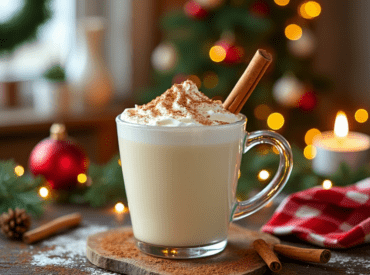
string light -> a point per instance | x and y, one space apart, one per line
262 111
275 121
312 8
196 80
361 115
293 32
43 192
19 170
308 138
302 11
309 152
119 207
81 178
239 174
282 2
217 53
210 80
327 184
263 175
119 162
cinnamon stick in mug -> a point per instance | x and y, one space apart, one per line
52 227
303 254
267 255
248 81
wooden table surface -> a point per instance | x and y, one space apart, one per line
16 257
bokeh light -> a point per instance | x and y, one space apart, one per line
196 80
312 8
19 170
361 115
119 207
309 152
293 32
281 2
327 184
210 80
262 111
263 175
81 178
217 53
119 162
275 121
239 174
308 138
43 192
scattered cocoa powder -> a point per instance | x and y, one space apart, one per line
235 259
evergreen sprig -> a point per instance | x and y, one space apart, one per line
18 191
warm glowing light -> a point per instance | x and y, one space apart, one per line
293 32
341 125
81 178
361 115
308 138
217 53
281 2
302 11
275 150
239 174
119 207
19 170
312 8
262 111
210 80
165 251
196 80
119 162
327 184
309 152
263 175
173 251
275 121
44 192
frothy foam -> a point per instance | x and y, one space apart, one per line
182 105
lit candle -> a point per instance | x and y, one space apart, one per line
333 148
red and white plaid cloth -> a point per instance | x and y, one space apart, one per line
334 218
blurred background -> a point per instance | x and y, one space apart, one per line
82 62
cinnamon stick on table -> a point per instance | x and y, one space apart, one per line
267 255
303 254
248 81
52 227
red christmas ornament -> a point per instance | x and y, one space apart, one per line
260 9
194 10
234 54
308 101
58 159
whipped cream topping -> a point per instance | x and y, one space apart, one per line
181 105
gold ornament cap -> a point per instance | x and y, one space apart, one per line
58 131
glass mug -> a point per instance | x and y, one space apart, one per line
181 184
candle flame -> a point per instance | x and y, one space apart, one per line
341 125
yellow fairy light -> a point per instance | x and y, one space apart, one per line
19 170
308 138
210 80
302 11
263 175
312 8
119 162
327 184
275 121
217 53
119 207
196 80
309 152
361 115
81 178
293 32
282 2
173 251
44 192
239 174
262 111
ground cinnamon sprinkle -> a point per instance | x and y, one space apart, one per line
235 259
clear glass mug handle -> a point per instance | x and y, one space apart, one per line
248 207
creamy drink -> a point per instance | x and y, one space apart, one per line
180 157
